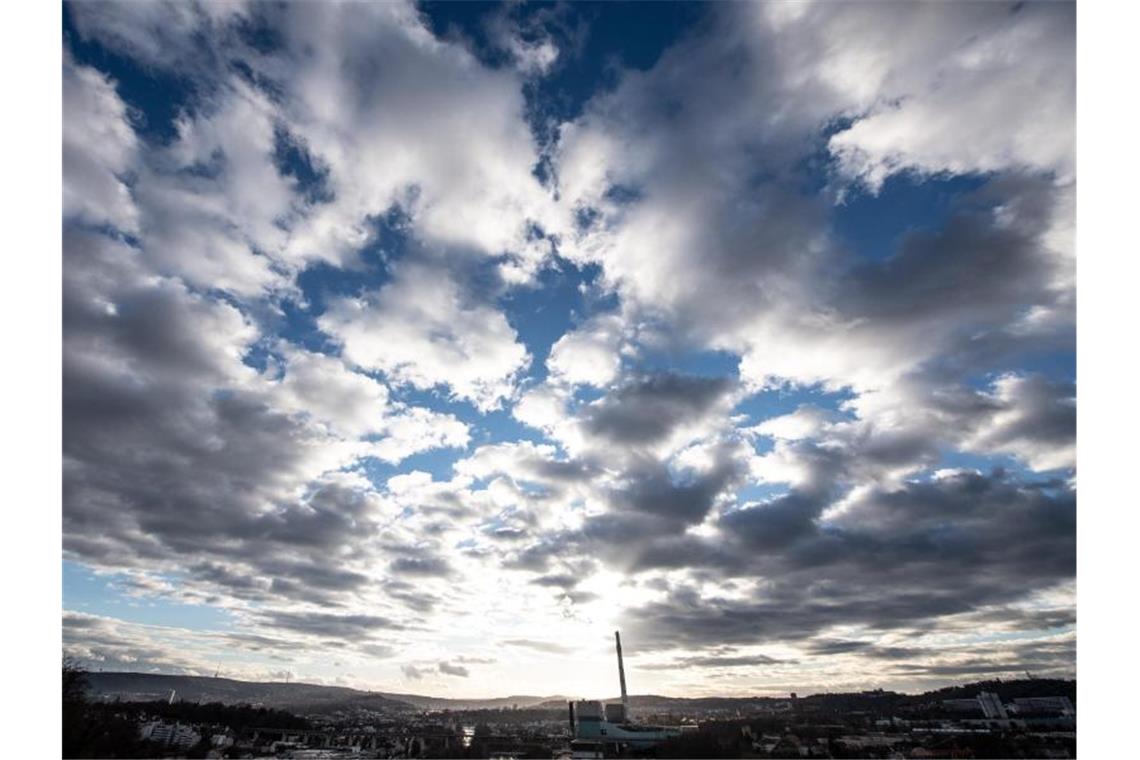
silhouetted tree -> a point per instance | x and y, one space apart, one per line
74 706
94 730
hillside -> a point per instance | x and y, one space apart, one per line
305 698
296 697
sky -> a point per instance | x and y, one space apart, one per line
418 347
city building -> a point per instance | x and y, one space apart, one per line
962 705
1062 705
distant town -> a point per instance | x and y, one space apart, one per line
168 716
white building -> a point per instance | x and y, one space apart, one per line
991 705
173 734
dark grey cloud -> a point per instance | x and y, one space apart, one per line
423 566
649 508
652 489
378 650
538 556
717 661
863 649
776 525
893 559
563 581
646 410
979 267
453 670
411 595
172 457
354 627
1028 620
1042 658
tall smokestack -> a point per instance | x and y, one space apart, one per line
621 675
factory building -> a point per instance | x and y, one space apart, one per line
609 728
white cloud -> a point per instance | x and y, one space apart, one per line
165 34
213 202
415 429
354 405
99 148
532 54
421 329
590 354
323 387
542 407
805 422
447 140
993 89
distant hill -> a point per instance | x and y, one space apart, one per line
303 698
1015 689
447 703
296 697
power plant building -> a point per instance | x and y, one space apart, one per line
597 727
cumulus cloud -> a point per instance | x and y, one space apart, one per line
651 409
590 355
462 186
423 330
1034 420
763 277
214 200
99 150
894 546
162 34
805 422
998 91
306 275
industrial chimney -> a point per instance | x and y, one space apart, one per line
621 676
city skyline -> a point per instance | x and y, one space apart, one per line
417 348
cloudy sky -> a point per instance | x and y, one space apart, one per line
419 347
